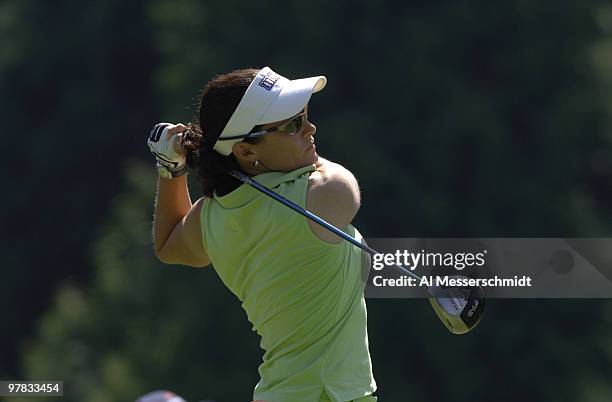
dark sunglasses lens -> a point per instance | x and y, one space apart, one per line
295 125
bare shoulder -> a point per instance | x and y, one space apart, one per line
196 208
333 194
193 234
193 225
185 246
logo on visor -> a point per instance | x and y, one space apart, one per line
269 80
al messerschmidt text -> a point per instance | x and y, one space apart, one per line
450 281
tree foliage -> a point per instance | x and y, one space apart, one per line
457 117
142 325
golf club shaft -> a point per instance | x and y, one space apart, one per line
247 180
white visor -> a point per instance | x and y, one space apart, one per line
269 98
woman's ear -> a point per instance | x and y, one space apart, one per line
243 151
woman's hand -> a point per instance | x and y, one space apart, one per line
165 144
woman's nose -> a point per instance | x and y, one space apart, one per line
309 129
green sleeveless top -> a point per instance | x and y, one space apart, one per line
304 296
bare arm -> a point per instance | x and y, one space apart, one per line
172 204
177 234
333 194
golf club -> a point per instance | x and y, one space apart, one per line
459 309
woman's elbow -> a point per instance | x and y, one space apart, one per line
162 256
186 260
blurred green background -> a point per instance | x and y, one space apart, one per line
459 118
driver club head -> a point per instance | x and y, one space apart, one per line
459 308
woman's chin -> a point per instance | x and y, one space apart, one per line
312 160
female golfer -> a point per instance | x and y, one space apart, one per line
300 285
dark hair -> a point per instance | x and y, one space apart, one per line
217 102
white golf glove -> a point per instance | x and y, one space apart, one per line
166 147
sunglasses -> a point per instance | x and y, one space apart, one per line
290 127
